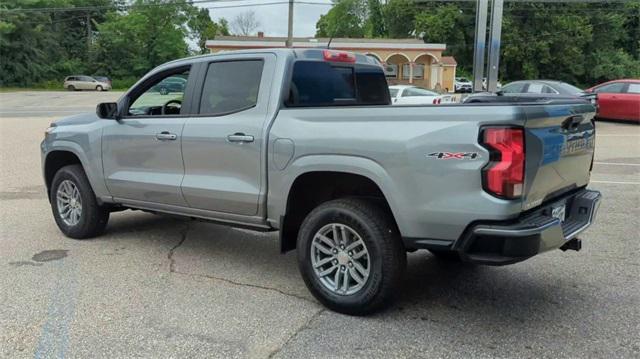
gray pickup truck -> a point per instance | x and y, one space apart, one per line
305 142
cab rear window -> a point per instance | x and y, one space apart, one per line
321 83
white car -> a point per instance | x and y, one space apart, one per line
461 84
414 95
484 84
81 82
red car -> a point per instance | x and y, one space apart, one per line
618 99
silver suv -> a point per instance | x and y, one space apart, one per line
81 82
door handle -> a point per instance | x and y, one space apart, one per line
166 136
240 138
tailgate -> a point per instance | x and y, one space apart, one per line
559 144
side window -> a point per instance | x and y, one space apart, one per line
513 88
86 79
535 88
162 97
633 88
547 89
231 86
610 88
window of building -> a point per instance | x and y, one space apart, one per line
418 71
231 86
391 70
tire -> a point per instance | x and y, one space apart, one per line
446 256
385 258
92 219
99 88
71 88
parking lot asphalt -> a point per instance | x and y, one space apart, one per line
155 286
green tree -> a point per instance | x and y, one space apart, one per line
150 33
375 23
347 18
399 16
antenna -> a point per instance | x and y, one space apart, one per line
329 43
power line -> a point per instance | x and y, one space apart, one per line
107 7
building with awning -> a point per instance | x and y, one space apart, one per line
406 61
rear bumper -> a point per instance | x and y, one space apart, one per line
507 242
534 233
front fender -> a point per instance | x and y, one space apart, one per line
91 162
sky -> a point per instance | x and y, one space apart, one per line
273 18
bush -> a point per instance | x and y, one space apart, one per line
123 83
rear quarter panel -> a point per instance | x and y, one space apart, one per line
429 197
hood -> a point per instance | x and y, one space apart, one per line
81 119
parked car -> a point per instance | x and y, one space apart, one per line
541 87
171 84
484 84
531 89
462 85
104 79
81 82
618 99
305 142
414 95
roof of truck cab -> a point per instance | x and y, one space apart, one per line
280 51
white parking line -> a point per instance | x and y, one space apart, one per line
616 164
615 182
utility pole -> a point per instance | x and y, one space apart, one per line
480 43
493 57
290 25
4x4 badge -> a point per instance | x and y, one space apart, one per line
454 155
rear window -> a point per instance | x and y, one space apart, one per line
319 83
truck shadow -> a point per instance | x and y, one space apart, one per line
432 290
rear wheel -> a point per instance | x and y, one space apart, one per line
74 205
351 256
98 88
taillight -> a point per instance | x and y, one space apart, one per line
338 56
436 101
504 175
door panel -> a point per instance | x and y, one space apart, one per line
141 160
606 105
223 151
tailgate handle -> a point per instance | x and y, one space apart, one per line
572 123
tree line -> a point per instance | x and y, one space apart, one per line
580 43
102 37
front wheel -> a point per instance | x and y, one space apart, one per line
99 88
351 256
71 88
75 208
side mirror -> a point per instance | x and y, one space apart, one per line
108 111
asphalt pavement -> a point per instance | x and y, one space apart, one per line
160 287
